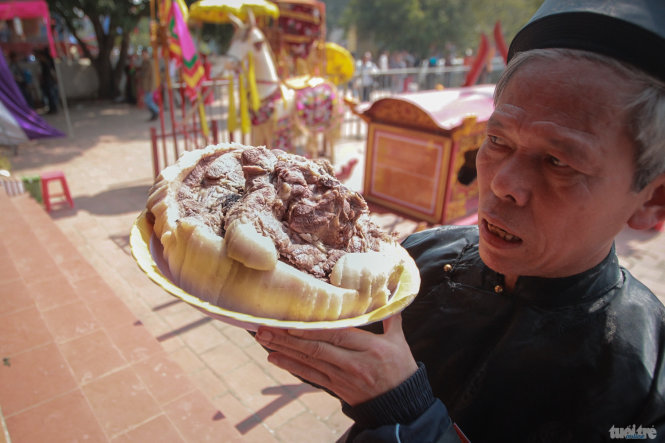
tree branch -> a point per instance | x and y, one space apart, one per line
72 30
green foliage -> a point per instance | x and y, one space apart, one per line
513 14
112 22
122 15
334 11
425 26
220 33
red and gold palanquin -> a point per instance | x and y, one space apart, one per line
416 146
297 37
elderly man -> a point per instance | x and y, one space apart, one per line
526 328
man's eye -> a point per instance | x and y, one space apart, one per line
496 140
556 162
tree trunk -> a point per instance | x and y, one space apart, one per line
106 18
105 89
122 61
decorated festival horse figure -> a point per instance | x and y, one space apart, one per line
281 111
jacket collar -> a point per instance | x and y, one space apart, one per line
581 288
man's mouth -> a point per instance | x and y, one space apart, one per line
501 233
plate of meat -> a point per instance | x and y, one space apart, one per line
253 236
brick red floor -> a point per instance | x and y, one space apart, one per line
78 364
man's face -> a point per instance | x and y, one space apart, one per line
555 170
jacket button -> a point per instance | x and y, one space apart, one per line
447 267
498 289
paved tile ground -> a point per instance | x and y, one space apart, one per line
107 163
77 363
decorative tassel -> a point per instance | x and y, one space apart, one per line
232 120
244 108
251 79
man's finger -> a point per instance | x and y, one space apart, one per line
304 356
393 325
348 338
302 348
297 366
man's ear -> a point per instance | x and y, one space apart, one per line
652 210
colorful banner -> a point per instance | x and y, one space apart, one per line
183 49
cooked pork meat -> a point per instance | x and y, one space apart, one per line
311 217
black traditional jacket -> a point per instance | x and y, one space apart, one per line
554 360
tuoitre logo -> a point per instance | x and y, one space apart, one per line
633 433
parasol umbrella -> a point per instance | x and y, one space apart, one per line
339 63
217 11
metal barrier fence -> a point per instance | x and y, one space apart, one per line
424 78
180 128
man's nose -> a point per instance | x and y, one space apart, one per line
514 179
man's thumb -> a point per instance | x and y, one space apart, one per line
393 324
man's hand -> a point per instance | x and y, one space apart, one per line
356 365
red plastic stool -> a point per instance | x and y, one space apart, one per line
47 177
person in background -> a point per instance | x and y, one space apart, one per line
174 74
19 75
146 83
367 71
384 65
526 328
47 79
130 83
397 81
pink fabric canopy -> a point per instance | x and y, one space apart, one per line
29 9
